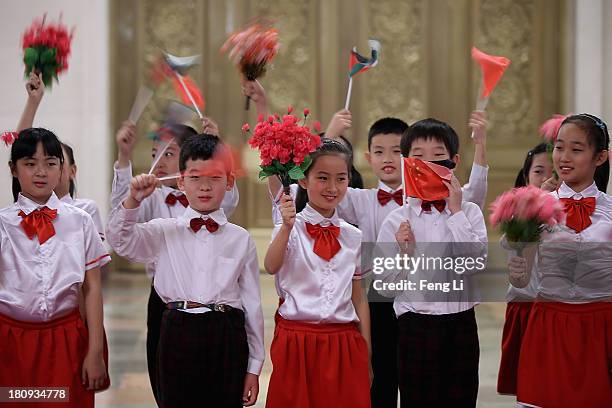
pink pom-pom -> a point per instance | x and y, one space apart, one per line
550 129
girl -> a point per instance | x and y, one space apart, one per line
566 354
50 251
321 343
536 170
66 187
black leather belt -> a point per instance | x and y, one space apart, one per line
184 304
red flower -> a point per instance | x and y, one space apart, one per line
290 109
246 128
306 112
317 126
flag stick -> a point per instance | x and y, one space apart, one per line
180 78
348 94
481 103
159 156
403 181
171 177
140 103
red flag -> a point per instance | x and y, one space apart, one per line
492 68
424 180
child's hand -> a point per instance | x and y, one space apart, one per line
210 127
339 124
140 188
35 88
251 390
93 374
287 210
551 184
405 238
517 268
256 92
455 195
126 139
478 123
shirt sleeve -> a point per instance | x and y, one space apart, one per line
96 254
475 191
121 184
134 241
386 250
469 234
277 219
250 295
97 220
346 207
230 201
360 273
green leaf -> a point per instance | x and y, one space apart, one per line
48 56
296 173
279 166
306 163
30 57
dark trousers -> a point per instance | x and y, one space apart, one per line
384 353
155 311
202 359
438 360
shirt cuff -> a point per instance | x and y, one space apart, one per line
458 221
254 366
128 214
97 263
123 171
479 171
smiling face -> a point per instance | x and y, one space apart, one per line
384 156
431 149
574 157
38 175
540 171
205 182
326 182
168 164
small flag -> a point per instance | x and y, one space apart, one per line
424 180
492 68
358 63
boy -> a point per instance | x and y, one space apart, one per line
165 202
438 352
207 275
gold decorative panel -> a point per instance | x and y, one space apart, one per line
425 69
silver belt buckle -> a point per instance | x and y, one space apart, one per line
184 305
220 308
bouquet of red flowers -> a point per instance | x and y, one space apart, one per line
46 48
284 146
523 213
251 49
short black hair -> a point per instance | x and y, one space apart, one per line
430 129
70 157
386 126
203 147
25 146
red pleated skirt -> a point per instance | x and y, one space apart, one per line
517 316
318 365
46 354
566 356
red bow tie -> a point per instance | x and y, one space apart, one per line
578 212
326 243
439 204
39 222
384 197
197 223
171 199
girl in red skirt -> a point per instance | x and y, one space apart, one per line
536 170
566 353
50 252
320 350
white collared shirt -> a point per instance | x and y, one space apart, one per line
361 207
577 267
203 267
90 207
155 205
434 233
315 290
42 282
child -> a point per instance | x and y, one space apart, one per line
322 335
536 170
211 345
437 345
66 187
50 252
164 202
566 353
